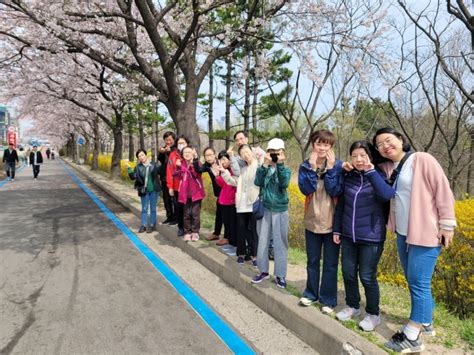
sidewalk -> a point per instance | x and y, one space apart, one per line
320 331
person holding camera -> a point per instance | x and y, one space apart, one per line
147 182
273 178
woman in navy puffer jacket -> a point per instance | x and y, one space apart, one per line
360 227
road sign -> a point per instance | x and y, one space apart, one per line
80 141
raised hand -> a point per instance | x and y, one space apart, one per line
312 159
281 157
347 166
368 165
330 159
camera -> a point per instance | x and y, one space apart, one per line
274 157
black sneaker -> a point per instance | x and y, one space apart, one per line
259 278
150 229
281 282
240 260
180 232
166 221
141 229
401 344
173 222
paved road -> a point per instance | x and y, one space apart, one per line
70 282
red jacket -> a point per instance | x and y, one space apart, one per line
190 180
172 181
227 195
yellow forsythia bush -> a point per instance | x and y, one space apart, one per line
453 280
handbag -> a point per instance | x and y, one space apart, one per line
257 209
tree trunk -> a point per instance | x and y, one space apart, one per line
469 188
211 107
118 146
254 104
141 130
95 151
247 97
87 150
228 81
154 141
131 148
186 122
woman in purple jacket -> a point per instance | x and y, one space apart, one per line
360 227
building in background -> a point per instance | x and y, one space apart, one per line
7 119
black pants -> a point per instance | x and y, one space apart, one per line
192 216
362 259
218 220
247 237
168 202
10 168
178 208
229 217
36 170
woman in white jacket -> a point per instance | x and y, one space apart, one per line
246 194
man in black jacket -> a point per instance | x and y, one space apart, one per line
36 158
164 153
10 158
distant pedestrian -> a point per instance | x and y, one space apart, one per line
191 192
147 182
163 157
273 178
48 153
36 159
10 158
53 154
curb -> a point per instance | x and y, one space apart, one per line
321 332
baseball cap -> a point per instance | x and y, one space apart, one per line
276 144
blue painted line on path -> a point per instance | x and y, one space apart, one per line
222 330
4 181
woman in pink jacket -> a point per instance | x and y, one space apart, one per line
422 216
227 201
191 192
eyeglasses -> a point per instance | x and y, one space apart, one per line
385 143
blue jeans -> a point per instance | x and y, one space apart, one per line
327 292
418 264
362 259
150 199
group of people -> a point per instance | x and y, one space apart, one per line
348 207
11 158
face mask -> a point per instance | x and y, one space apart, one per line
180 147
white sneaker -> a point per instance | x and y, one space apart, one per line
327 309
347 313
369 323
304 301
